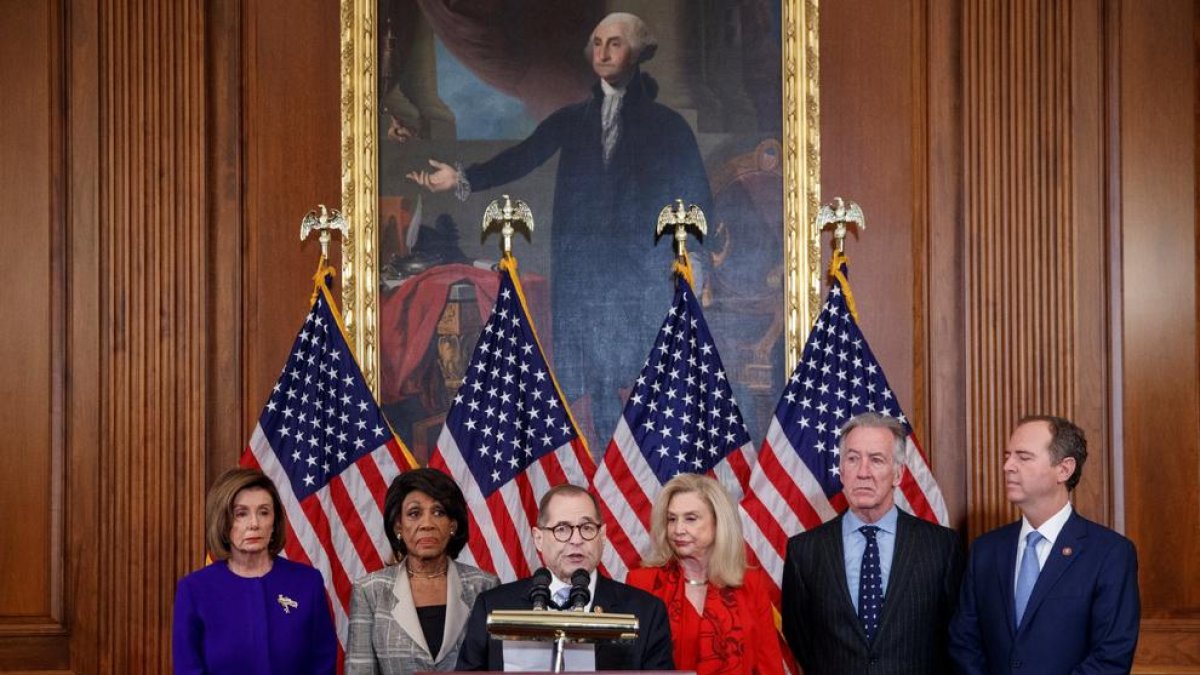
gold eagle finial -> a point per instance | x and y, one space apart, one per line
506 214
681 218
326 221
840 213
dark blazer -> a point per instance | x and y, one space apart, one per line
1082 617
651 650
819 620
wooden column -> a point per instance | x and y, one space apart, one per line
153 253
1034 236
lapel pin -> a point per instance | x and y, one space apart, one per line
286 603
1067 550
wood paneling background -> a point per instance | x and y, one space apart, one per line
1160 387
1038 160
31 376
1028 170
1035 237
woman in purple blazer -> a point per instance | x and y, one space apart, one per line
251 612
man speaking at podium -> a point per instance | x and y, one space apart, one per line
570 538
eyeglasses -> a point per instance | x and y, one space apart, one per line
563 532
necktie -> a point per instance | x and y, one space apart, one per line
870 584
561 595
610 124
1028 574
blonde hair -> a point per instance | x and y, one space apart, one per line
727 564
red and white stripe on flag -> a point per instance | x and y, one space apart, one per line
325 444
680 417
509 437
795 485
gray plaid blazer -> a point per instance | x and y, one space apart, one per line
385 634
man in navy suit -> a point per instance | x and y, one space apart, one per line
570 537
1053 592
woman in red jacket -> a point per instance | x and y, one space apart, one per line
719 610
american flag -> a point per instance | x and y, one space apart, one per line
509 436
795 486
680 417
324 442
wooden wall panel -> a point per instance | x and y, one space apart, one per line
866 133
226 233
152 227
892 141
30 372
938 248
1161 401
292 162
1028 245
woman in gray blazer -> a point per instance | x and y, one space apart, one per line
410 616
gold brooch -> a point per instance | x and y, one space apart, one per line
286 603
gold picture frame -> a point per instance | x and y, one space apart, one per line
360 130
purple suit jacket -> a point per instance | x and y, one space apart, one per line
270 625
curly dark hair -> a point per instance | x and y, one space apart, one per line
442 489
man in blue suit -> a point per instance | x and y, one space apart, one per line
1053 592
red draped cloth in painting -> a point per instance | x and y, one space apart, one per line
408 317
531 50
734 636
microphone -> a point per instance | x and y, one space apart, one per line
580 595
539 595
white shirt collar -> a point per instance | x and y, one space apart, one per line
1049 529
610 90
556 583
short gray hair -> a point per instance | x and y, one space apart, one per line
641 40
874 420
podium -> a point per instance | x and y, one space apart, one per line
561 628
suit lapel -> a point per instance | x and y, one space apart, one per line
903 559
404 611
1072 538
457 610
1007 574
608 655
835 568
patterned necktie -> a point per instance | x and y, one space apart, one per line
1028 574
561 595
870 584
610 124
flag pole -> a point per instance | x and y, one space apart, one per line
508 216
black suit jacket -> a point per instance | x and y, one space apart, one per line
651 650
823 629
